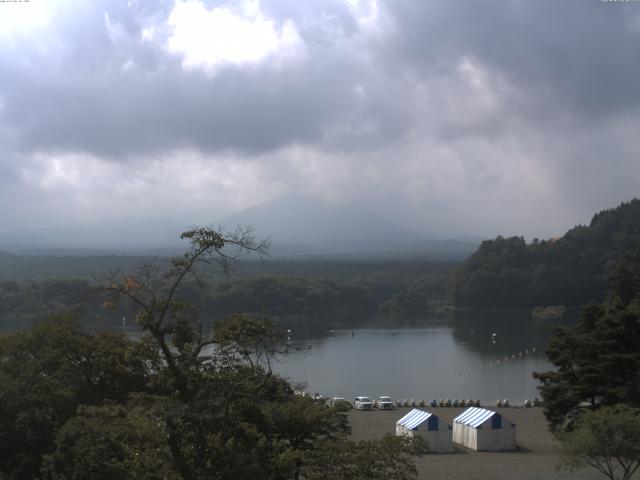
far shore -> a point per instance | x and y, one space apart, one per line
535 459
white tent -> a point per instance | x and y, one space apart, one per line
481 429
428 426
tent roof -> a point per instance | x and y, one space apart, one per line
474 416
414 418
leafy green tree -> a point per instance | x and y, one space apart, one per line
112 441
174 324
607 439
390 458
225 413
50 370
597 360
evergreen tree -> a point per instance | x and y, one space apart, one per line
597 360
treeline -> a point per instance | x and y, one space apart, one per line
571 270
426 295
284 295
24 303
355 297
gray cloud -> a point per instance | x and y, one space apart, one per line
466 117
84 98
573 54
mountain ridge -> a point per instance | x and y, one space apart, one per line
299 226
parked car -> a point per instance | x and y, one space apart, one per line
317 398
340 403
362 403
385 403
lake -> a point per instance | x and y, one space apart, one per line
456 357
453 356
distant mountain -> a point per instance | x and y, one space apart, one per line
315 226
297 225
570 270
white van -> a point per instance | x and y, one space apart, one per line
362 403
385 403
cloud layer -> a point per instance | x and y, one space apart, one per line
449 117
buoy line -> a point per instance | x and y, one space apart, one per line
500 361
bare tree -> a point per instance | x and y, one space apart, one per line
174 324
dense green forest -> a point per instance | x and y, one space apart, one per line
292 290
570 270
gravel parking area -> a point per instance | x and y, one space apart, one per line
536 457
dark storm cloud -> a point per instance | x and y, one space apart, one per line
575 54
494 114
560 56
571 72
83 97
122 116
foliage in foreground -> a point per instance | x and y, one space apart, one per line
179 403
597 360
391 457
48 372
607 439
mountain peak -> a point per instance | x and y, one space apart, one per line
315 222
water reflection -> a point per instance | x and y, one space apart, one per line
515 330
454 356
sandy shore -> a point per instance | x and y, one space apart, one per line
536 457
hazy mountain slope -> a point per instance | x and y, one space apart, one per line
322 226
570 270
297 225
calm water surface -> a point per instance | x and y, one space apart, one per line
454 358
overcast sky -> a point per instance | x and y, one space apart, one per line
462 117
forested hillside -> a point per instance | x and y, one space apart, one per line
570 270
340 291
